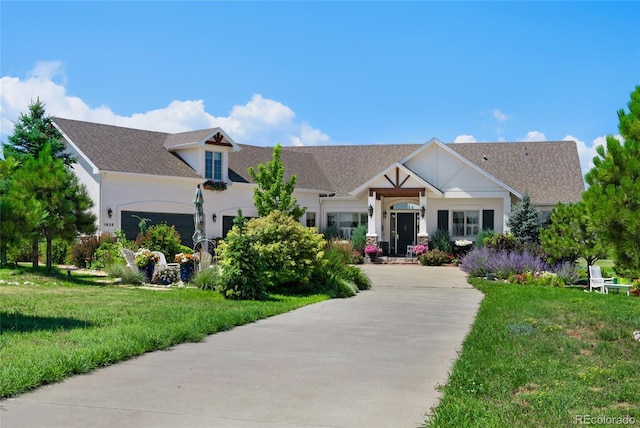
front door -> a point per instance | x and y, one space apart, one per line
405 231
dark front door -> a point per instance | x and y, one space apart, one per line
405 230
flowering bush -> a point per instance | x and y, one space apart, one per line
167 276
183 258
523 268
372 250
144 257
418 250
433 258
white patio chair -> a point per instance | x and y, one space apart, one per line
130 258
162 264
204 261
596 281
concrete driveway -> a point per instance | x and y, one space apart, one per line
369 361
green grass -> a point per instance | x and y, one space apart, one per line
55 327
539 356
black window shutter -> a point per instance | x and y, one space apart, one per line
487 220
443 220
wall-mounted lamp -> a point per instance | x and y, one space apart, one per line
370 211
110 212
422 211
384 214
214 217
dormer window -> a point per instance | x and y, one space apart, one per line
213 166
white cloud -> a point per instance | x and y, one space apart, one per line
465 139
499 116
533 136
260 121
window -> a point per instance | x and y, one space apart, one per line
466 223
311 219
346 223
213 166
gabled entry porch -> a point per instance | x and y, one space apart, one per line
397 219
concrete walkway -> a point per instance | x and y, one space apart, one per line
369 361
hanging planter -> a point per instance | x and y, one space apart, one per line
218 186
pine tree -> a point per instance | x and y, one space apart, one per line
571 235
273 193
30 134
64 203
613 196
524 221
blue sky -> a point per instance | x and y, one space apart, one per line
328 72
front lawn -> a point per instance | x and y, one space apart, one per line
52 328
542 356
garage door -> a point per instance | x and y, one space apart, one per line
183 223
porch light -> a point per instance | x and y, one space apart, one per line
110 212
214 217
370 211
422 211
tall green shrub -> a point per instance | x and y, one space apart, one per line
359 238
242 267
161 237
290 251
440 240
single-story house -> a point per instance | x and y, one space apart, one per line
401 192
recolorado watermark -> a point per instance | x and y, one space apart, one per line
603 420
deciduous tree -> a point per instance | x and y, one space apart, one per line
273 193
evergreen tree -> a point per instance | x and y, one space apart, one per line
273 193
613 196
524 221
64 202
571 235
30 134
18 216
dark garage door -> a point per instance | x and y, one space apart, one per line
182 222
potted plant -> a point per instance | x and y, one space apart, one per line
186 265
372 251
167 276
419 250
146 261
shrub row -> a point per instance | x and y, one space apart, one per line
504 264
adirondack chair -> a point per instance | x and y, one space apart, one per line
596 281
204 261
130 258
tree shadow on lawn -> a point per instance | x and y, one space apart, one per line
19 323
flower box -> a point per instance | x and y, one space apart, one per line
218 186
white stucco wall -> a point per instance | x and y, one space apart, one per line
92 183
448 173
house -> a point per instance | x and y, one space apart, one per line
401 192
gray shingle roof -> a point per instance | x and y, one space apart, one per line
309 174
548 171
347 167
114 148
